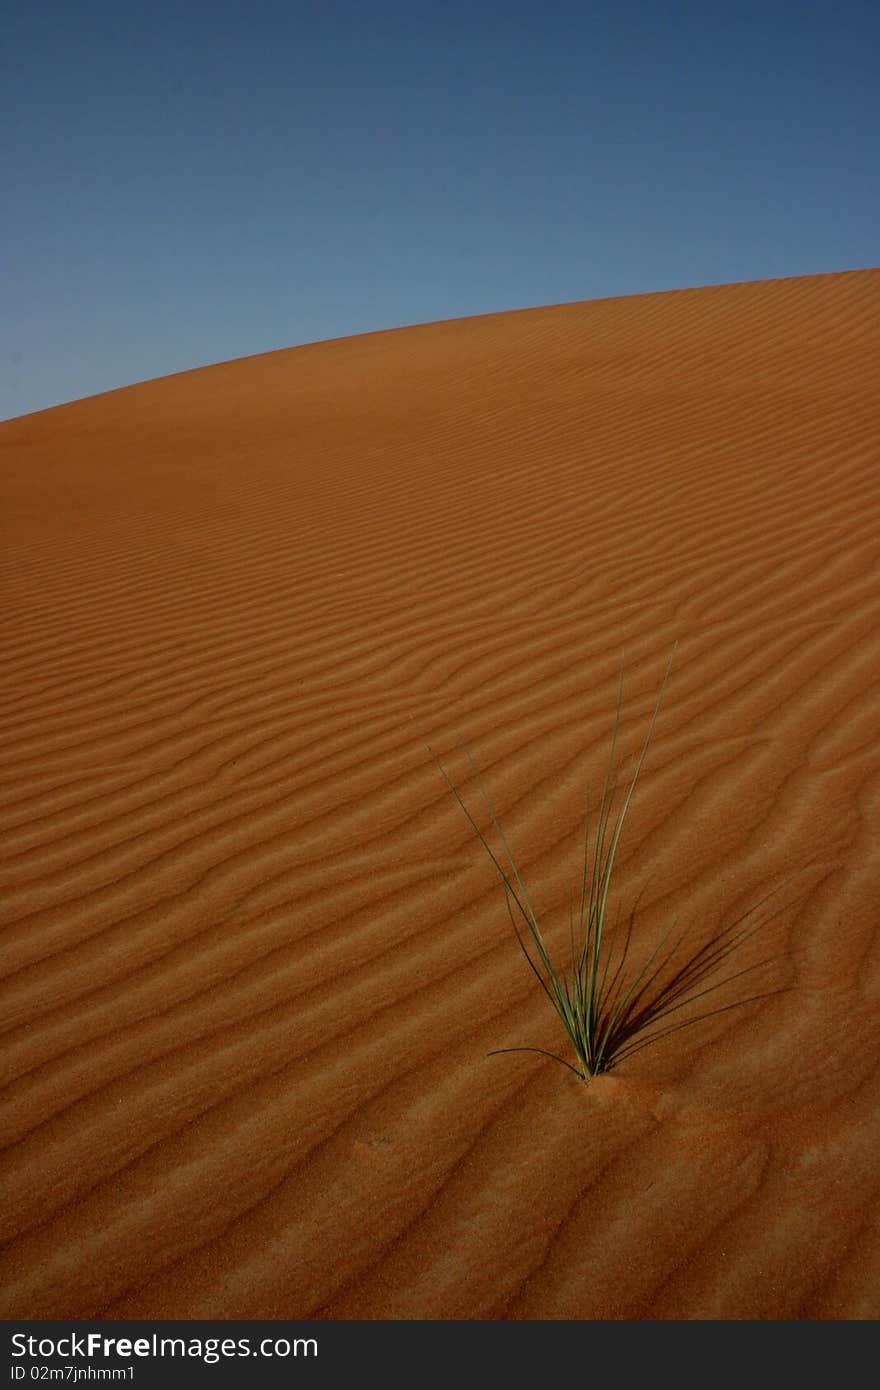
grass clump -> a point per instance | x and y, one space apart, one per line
608 1010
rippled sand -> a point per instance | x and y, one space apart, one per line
253 958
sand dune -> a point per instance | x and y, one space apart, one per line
253 958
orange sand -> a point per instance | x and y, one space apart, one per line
252 957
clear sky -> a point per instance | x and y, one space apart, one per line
191 182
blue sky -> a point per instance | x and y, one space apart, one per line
188 183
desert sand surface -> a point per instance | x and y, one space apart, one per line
253 957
